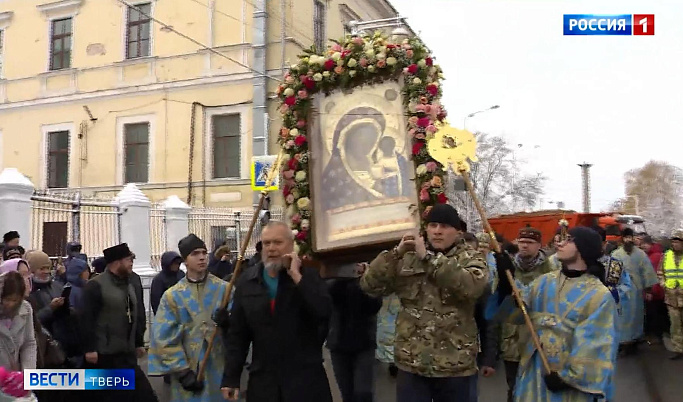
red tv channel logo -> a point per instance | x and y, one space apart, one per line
643 24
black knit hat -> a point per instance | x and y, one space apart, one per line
446 214
627 232
9 236
118 252
190 243
588 242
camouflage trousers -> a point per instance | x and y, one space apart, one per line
676 316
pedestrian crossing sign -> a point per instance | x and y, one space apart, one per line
260 167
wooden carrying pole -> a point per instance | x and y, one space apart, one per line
515 291
240 258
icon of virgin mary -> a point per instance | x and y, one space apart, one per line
365 164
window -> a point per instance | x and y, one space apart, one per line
138 27
226 145
58 159
319 20
136 152
60 44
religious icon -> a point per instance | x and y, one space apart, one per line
362 175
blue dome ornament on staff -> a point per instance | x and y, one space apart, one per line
272 174
456 148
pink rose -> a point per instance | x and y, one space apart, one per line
381 63
424 195
363 62
289 199
409 54
420 136
301 123
336 47
296 219
288 174
339 70
289 144
420 108
412 132
303 94
431 166
427 109
302 77
413 120
431 129
284 108
407 46
358 41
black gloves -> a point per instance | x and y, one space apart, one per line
504 263
221 317
555 383
189 382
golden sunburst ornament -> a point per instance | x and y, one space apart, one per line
454 147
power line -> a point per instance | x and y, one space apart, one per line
196 42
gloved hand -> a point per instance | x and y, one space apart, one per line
222 318
504 263
189 382
555 383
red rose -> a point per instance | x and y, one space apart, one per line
432 89
429 61
412 69
309 83
417 147
293 163
390 46
441 198
423 122
285 191
330 64
300 140
290 100
345 53
301 236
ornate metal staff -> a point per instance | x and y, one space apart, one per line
453 147
272 173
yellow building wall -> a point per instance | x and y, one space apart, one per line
164 86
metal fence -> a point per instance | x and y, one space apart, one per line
59 218
157 234
229 225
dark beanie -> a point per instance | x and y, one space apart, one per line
588 242
9 236
445 214
627 232
190 243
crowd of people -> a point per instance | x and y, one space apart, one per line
438 309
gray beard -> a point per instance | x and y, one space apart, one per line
273 267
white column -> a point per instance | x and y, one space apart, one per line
134 225
15 204
177 221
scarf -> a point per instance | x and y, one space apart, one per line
528 265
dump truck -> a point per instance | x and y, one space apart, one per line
548 222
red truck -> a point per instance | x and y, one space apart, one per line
548 222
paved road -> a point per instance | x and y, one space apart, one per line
646 377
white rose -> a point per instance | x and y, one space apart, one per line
303 203
370 52
391 61
352 73
417 81
382 49
300 175
313 59
336 56
371 68
295 232
295 194
317 77
381 56
294 132
289 92
352 63
296 248
286 157
321 60
422 63
441 75
422 169
305 224
326 74
432 70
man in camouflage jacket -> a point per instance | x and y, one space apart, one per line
530 263
438 284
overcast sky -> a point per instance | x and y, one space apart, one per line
613 101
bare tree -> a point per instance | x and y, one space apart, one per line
655 191
498 182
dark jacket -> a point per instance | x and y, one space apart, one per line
62 323
106 326
74 269
488 332
287 361
164 279
353 326
221 269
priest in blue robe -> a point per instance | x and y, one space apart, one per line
574 315
187 316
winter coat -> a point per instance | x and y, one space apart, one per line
164 279
74 269
217 267
353 325
18 349
287 361
655 255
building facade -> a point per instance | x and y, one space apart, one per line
169 95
